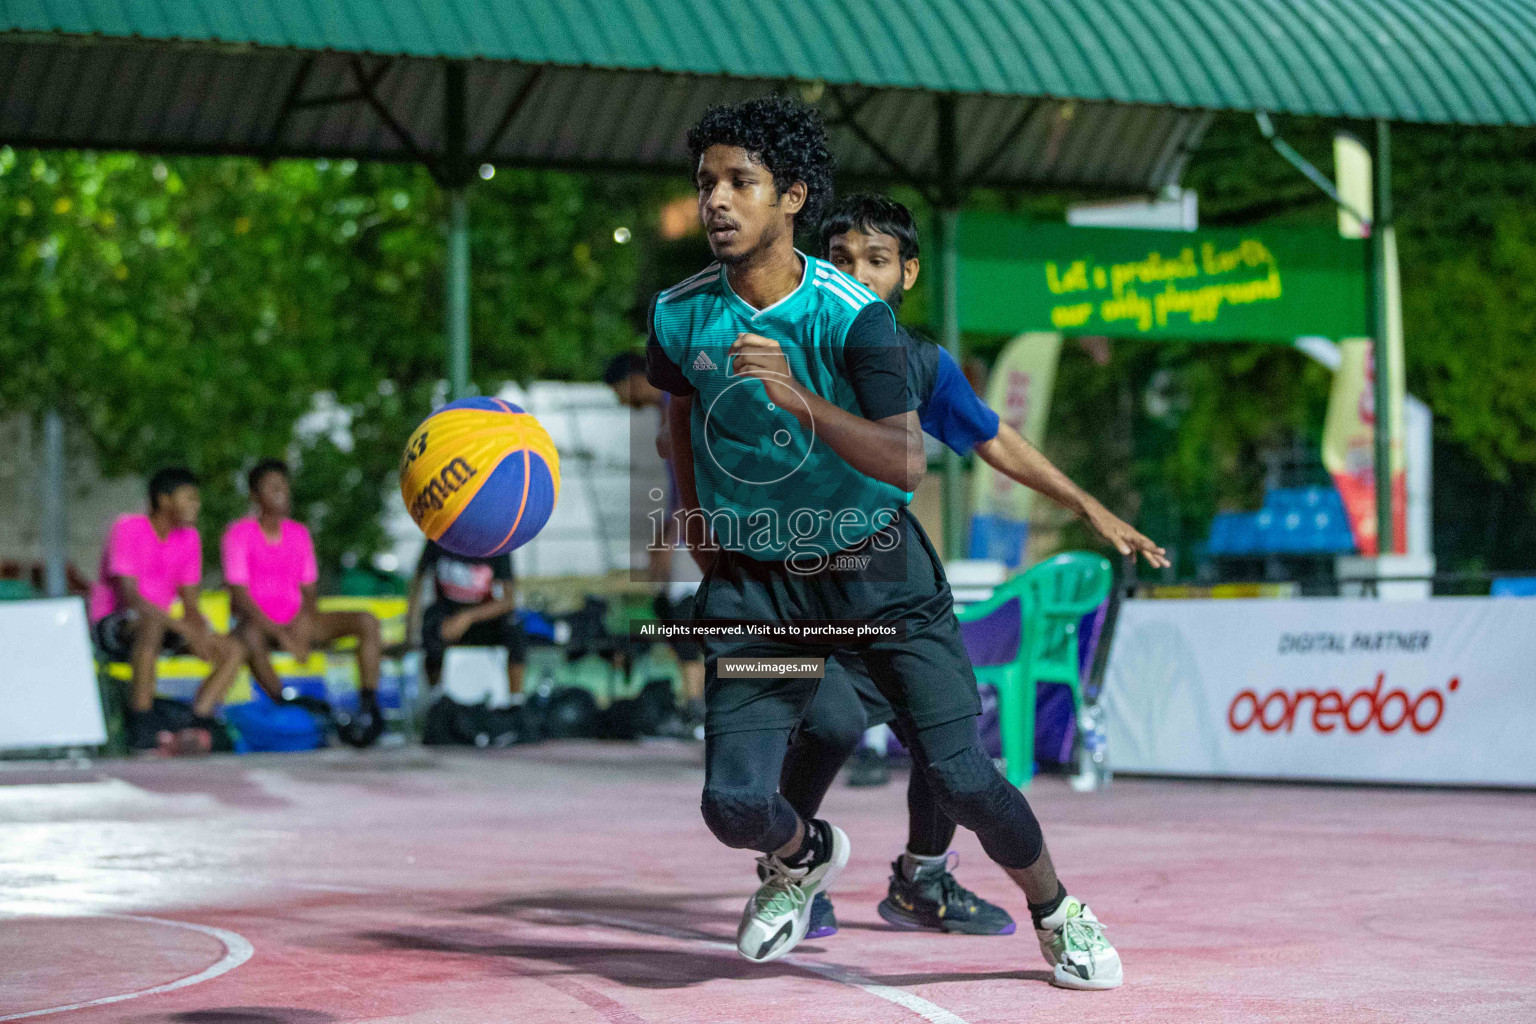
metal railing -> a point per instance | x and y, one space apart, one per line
1442 584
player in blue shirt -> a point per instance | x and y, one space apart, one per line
797 445
874 240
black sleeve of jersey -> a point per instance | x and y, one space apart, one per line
922 364
875 360
660 370
501 567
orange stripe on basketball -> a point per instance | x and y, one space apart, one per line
521 508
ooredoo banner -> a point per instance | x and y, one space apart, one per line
1437 691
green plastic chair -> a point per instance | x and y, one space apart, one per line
1062 590
1053 597
1016 714
16 590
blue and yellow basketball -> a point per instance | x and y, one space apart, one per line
480 476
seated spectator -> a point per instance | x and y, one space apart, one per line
473 604
148 562
270 568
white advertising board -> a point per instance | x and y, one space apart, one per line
48 694
1435 691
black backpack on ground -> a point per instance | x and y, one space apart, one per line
174 716
451 724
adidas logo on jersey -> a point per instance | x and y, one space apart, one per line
704 362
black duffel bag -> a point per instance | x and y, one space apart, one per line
451 724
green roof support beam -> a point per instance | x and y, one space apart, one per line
455 175
945 220
1305 166
1378 221
456 285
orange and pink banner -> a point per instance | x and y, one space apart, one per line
1349 432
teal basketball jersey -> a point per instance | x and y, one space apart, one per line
772 489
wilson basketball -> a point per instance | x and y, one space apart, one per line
480 476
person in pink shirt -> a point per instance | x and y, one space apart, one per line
269 567
148 562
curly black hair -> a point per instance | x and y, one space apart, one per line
788 137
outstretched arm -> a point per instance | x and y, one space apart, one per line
1010 454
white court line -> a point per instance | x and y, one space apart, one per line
917 1004
236 952
349 890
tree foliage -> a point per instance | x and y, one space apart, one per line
1173 432
192 310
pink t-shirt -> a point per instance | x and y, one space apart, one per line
274 571
158 567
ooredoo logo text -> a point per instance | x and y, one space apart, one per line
1328 710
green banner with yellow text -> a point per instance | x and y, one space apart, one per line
1264 284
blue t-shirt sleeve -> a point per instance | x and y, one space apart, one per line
953 413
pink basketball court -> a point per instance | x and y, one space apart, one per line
576 883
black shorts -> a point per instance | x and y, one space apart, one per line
502 631
681 610
846 668
925 676
113 635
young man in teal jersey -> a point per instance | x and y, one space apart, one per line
797 443
874 240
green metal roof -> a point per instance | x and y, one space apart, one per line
1105 95
1471 61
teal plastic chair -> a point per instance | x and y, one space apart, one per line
1052 596
16 590
1062 590
1015 703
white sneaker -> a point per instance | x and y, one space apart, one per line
778 914
1074 944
